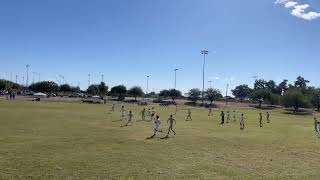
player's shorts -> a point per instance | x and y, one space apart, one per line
152 115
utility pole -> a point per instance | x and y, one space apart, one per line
89 80
204 53
16 79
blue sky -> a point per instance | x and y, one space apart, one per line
127 40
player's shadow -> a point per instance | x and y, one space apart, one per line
123 126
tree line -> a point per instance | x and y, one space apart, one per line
296 95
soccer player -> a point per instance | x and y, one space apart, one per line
143 114
222 117
268 117
234 115
242 122
189 115
228 117
113 107
123 113
316 125
130 118
176 109
157 124
210 112
170 121
260 120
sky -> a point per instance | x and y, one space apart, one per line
127 40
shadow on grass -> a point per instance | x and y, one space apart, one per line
301 112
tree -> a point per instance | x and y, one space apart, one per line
213 94
5 85
274 99
301 82
45 87
103 89
282 87
164 93
135 92
315 98
260 84
194 95
93 89
261 95
119 91
294 98
65 88
75 89
173 93
242 92
271 86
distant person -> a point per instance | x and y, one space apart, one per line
222 117
260 120
130 115
157 124
234 115
170 121
228 117
210 112
123 113
149 114
143 114
176 109
316 125
268 117
113 107
242 122
189 115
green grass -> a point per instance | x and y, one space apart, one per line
42 140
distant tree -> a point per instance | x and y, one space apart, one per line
274 99
294 98
194 95
93 89
301 82
213 94
135 92
45 87
261 95
151 94
271 86
315 98
103 89
164 94
5 85
282 87
75 89
174 94
119 91
65 88
260 84
242 92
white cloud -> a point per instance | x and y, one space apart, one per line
290 4
299 10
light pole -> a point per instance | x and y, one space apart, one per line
147 84
16 79
204 53
210 82
33 77
175 78
102 77
39 76
227 95
27 66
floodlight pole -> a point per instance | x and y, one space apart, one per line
204 53
227 95
102 77
16 79
148 84
33 77
210 83
175 78
89 80
27 66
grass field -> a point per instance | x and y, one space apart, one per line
41 140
